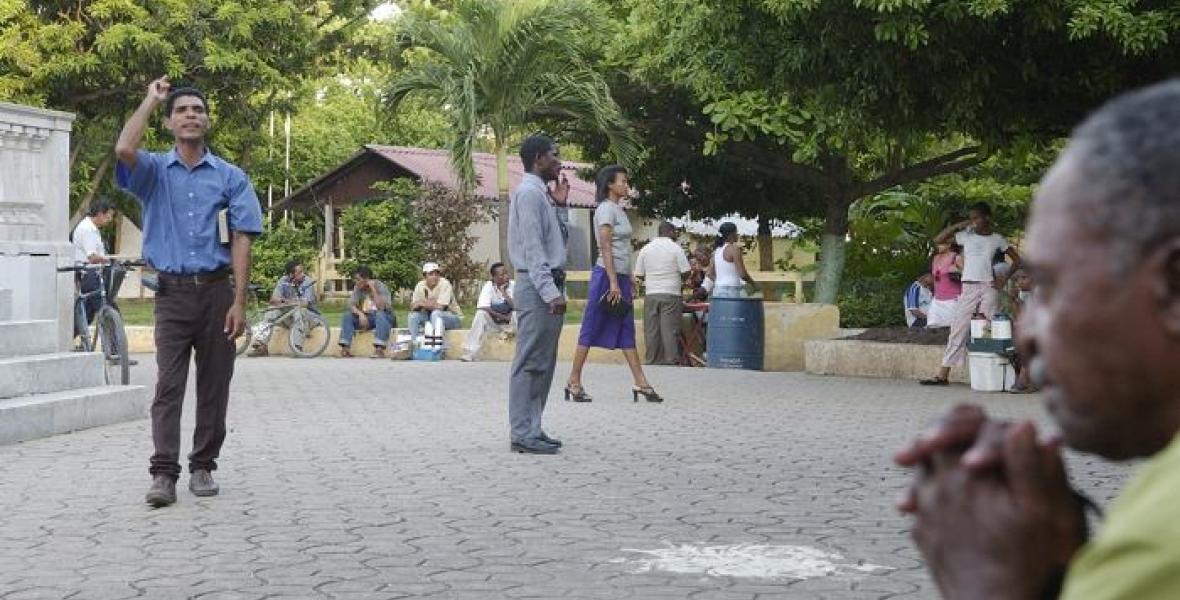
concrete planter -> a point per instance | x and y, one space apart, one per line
855 358
788 326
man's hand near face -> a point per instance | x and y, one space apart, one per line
1005 532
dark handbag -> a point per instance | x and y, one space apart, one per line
619 309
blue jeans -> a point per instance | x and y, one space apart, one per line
448 320
381 320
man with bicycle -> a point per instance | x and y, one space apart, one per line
200 214
89 249
294 288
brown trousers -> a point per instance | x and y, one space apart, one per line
661 323
191 317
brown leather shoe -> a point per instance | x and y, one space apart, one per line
201 483
162 493
345 352
378 352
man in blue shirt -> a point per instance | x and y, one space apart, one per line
200 214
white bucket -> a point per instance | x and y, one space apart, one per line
990 372
978 328
1001 329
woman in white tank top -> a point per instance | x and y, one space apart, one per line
728 270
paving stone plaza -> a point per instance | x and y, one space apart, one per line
362 479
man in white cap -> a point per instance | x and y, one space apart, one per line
434 301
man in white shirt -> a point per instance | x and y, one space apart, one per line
493 312
980 286
662 265
89 249
434 302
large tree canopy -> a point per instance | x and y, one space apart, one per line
848 99
96 58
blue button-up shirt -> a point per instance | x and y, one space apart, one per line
180 207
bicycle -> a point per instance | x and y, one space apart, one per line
110 336
296 317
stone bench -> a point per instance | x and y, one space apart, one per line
788 326
860 358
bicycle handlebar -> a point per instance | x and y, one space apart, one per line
124 263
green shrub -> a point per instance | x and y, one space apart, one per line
875 302
381 234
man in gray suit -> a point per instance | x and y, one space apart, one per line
537 233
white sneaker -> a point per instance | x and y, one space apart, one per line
467 358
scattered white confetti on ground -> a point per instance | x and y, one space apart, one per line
748 560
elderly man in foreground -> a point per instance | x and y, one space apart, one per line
995 515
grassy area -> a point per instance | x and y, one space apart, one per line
139 312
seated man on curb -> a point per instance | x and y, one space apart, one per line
369 307
917 300
294 288
995 515
493 311
434 301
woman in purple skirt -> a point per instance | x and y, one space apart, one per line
611 327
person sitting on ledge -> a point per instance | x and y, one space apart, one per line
493 312
369 307
294 288
434 302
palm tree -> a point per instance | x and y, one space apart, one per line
499 66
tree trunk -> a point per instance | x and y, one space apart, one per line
765 252
502 201
832 249
100 175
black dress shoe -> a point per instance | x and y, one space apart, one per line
549 440
533 446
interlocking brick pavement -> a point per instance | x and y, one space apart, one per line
361 479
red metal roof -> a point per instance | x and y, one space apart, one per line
435 165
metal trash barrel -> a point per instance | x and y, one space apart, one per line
735 338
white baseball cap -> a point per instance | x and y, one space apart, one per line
430 267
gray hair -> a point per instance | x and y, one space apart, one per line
1127 156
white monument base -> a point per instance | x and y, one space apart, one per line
44 388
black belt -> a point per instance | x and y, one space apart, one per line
194 279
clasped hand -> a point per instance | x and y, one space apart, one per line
994 513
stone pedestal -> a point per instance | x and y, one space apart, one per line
44 388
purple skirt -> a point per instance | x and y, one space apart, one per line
601 329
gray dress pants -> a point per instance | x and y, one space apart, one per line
537 335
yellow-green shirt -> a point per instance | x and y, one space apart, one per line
1136 556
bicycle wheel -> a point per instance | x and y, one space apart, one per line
81 329
253 319
111 339
316 336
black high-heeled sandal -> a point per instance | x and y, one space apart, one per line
648 393
579 396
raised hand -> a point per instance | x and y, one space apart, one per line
158 89
561 191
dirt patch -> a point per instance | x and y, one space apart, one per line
904 335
